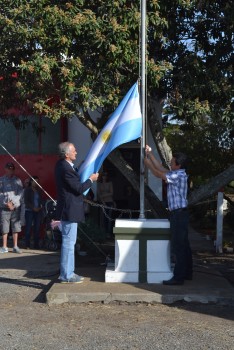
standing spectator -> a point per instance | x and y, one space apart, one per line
22 211
177 185
11 191
70 208
33 211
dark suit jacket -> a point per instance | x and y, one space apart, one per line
70 205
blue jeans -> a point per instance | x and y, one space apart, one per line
67 259
32 217
180 244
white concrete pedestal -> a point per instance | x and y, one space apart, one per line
142 251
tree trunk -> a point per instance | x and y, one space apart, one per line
155 123
211 188
152 202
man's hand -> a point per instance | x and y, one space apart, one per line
148 149
94 177
10 205
36 209
147 162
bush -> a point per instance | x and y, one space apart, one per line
229 218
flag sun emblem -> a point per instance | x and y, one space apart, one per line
106 136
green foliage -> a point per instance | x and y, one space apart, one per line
200 98
84 53
199 43
204 145
229 218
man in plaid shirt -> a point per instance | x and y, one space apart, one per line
177 186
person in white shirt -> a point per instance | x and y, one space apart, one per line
11 191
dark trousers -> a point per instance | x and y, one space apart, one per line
32 217
179 220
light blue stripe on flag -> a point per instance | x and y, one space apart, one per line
124 125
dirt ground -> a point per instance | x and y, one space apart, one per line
27 322
224 263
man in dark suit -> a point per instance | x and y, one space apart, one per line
70 208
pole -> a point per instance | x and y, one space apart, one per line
219 227
143 108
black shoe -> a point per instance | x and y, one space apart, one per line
173 282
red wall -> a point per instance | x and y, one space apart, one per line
40 165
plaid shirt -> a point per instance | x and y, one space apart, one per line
177 186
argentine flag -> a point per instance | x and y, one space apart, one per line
124 125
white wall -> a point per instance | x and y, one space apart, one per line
79 135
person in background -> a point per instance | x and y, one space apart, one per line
177 187
70 208
22 211
11 191
105 196
33 211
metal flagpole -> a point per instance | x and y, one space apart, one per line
143 108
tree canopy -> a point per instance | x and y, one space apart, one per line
72 53
200 99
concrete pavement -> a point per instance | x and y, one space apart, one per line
207 286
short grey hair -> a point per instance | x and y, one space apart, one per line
63 149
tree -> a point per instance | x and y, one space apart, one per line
83 52
58 55
200 98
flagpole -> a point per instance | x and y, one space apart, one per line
143 108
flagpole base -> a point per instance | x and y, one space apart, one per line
142 216
142 252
